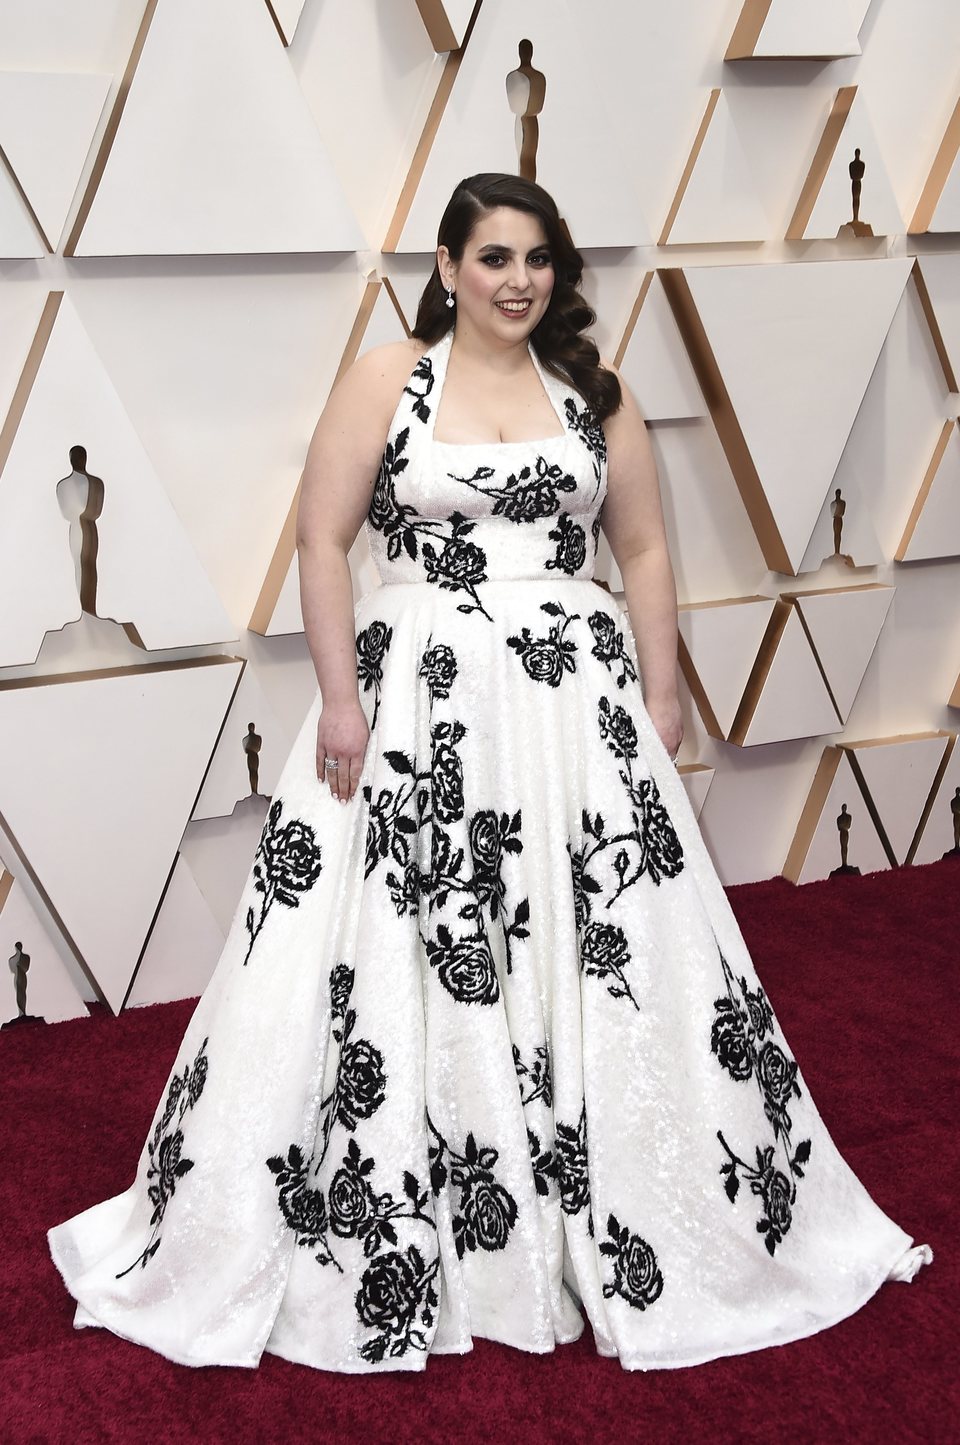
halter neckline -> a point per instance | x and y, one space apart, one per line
439 355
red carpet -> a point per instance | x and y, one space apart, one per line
863 976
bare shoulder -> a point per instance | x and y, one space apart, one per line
628 415
375 380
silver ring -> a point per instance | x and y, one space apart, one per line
330 763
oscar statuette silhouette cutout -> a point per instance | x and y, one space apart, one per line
844 821
856 227
954 852
80 498
526 92
252 742
19 963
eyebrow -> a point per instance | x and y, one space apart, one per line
497 246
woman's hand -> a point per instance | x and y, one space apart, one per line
666 717
342 734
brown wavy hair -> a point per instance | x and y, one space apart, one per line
557 336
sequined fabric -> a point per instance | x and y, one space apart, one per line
484 1051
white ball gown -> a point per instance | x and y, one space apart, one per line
485 1050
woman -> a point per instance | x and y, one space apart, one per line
485 1048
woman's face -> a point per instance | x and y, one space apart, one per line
506 261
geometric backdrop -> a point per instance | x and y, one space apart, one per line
206 213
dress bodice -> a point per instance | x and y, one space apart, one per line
459 514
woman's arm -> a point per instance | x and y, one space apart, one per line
338 479
632 521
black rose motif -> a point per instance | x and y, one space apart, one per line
618 729
446 773
604 631
466 969
378 832
362 1083
758 1007
528 503
198 1077
543 659
173 1097
572 1176
609 647
603 948
729 1041
289 856
489 1213
341 985
388 1295
439 667
170 1168
372 643
777 1074
405 890
636 1272
486 847
571 542
460 564
383 504
350 1201
662 848
776 1193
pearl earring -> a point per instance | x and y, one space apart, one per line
450 301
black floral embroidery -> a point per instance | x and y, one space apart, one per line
341 987
546 659
543 1163
636 1272
660 851
393 819
165 1150
609 647
571 540
572 1175
527 495
395 1290
604 954
460 565
287 864
486 1212
446 771
372 645
420 385
360 1083
738 1036
534 1079
591 433
438 667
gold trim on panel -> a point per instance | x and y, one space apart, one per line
851 749
627 336
691 676
285 549
692 159
427 137
51 679
919 281
28 375
954 699
939 173
747 30
943 441
931 799
284 41
6 883
812 812
821 162
5 162
760 671
725 420
437 24
109 135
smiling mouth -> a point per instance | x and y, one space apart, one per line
516 308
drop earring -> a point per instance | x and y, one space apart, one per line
450 301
